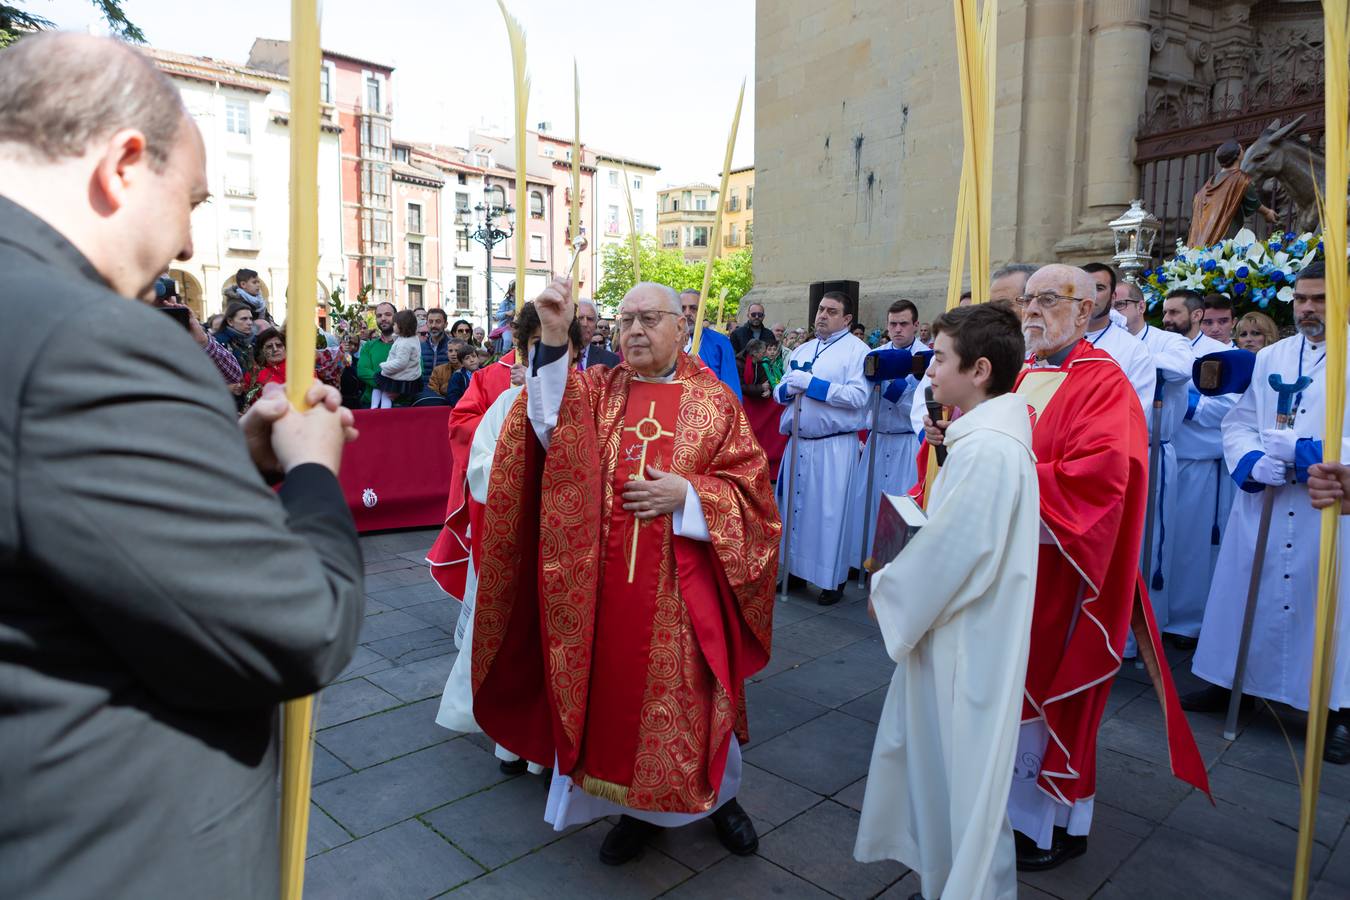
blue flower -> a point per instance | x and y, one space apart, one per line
1240 288
1277 276
1243 272
1162 278
1299 248
1263 302
1275 246
1210 265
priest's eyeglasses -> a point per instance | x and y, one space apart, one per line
649 318
1046 300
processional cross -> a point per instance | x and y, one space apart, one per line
646 430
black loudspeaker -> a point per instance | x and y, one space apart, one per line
819 289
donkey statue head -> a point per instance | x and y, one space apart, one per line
1297 165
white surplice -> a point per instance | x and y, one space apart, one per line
1204 498
825 456
1279 662
896 447
955 613
1172 363
1135 360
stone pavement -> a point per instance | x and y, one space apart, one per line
405 809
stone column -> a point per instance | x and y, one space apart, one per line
1117 89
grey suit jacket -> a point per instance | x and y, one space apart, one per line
599 356
157 599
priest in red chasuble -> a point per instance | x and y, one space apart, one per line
630 545
1091 446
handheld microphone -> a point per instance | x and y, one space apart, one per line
935 413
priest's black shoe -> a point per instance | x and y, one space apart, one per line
513 766
1182 642
1063 847
1211 699
831 596
735 829
1336 749
626 840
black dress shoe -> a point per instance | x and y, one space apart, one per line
734 829
1182 642
1063 848
513 767
626 840
1211 698
830 596
1336 749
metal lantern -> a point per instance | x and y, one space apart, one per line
1135 232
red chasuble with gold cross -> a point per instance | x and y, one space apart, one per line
1091 446
611 643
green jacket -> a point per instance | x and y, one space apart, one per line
368 366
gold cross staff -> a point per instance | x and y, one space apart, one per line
647 430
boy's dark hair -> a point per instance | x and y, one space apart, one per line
405 323
1093 268
526 325
1313 270
244 275
987 330
900 306
1217 301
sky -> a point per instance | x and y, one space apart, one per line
658 81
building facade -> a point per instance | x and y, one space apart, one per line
685 217
243 115
611 203
858 128
418 214
738 214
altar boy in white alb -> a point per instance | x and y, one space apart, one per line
893 438
955 612
827 373
1279 661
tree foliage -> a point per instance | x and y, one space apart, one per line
15 22
669 267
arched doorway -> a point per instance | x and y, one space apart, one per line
190 290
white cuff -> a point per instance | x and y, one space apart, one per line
688 521
544 397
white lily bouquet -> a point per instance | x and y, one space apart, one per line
1251 272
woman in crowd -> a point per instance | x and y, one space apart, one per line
1256 330
462 331
236 335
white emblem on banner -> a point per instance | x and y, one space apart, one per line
368 498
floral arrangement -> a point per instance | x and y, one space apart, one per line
1251 272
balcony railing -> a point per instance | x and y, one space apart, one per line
734 204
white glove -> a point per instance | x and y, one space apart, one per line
1279 443
797 381
1268 470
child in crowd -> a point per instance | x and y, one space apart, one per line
400 374
459 381
955 614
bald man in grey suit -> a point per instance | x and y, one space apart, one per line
157 599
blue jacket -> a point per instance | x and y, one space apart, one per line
434 355
716 352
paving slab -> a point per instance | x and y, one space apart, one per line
350 700
824 755
416 680
751 876
443 613
406 861
852 796
375 798
327 766
1336 871
829 830
1138 786
385 736
396 577
820 634
324 833
772 712
569 869
500 824
386 562
868 707
770 799
364 662
833 679
780 661
414 645
422 591
1107 848
1173 865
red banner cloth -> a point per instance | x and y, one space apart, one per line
397 473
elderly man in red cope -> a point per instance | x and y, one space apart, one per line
1091 446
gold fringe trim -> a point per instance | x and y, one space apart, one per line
605 790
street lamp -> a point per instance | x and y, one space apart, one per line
489 235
